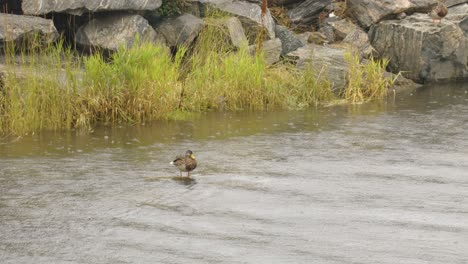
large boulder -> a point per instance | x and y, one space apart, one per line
422 50
233 27
369 12
325 61
271 50
113 30
308 11
18 29
180 30
289 40
359 41
342 28
78 7
250 15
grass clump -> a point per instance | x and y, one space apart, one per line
367 80
54 89
219 78
38 95
136 85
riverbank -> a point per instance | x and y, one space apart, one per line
54 89
77 64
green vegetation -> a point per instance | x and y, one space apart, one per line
42 94
172 7
367 81
54 89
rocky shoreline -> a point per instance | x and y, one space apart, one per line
320 31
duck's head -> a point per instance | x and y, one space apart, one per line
189 154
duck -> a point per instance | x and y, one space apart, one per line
185 163
439 11
317 38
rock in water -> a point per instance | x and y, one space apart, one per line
422 50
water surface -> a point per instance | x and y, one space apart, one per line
384 182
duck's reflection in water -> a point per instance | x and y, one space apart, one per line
187 181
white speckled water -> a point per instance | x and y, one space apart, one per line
383 182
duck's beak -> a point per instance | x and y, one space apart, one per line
192 156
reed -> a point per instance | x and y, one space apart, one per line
53 88
366 81
36 92
136 85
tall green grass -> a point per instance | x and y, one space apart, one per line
38 90
367 81
137 85
53 88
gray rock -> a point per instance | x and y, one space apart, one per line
289 40
235 30
422 50
78 7
360 41
248 13
450 3
459 10
251 18
308 11
180 30
282 2
342 28
113 30
17 29
325 61
271 49
329 32
369 12
401 84
277 2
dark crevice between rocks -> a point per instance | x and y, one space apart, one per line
67 25
11 7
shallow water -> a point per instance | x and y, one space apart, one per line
382 182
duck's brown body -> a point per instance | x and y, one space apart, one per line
185 163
